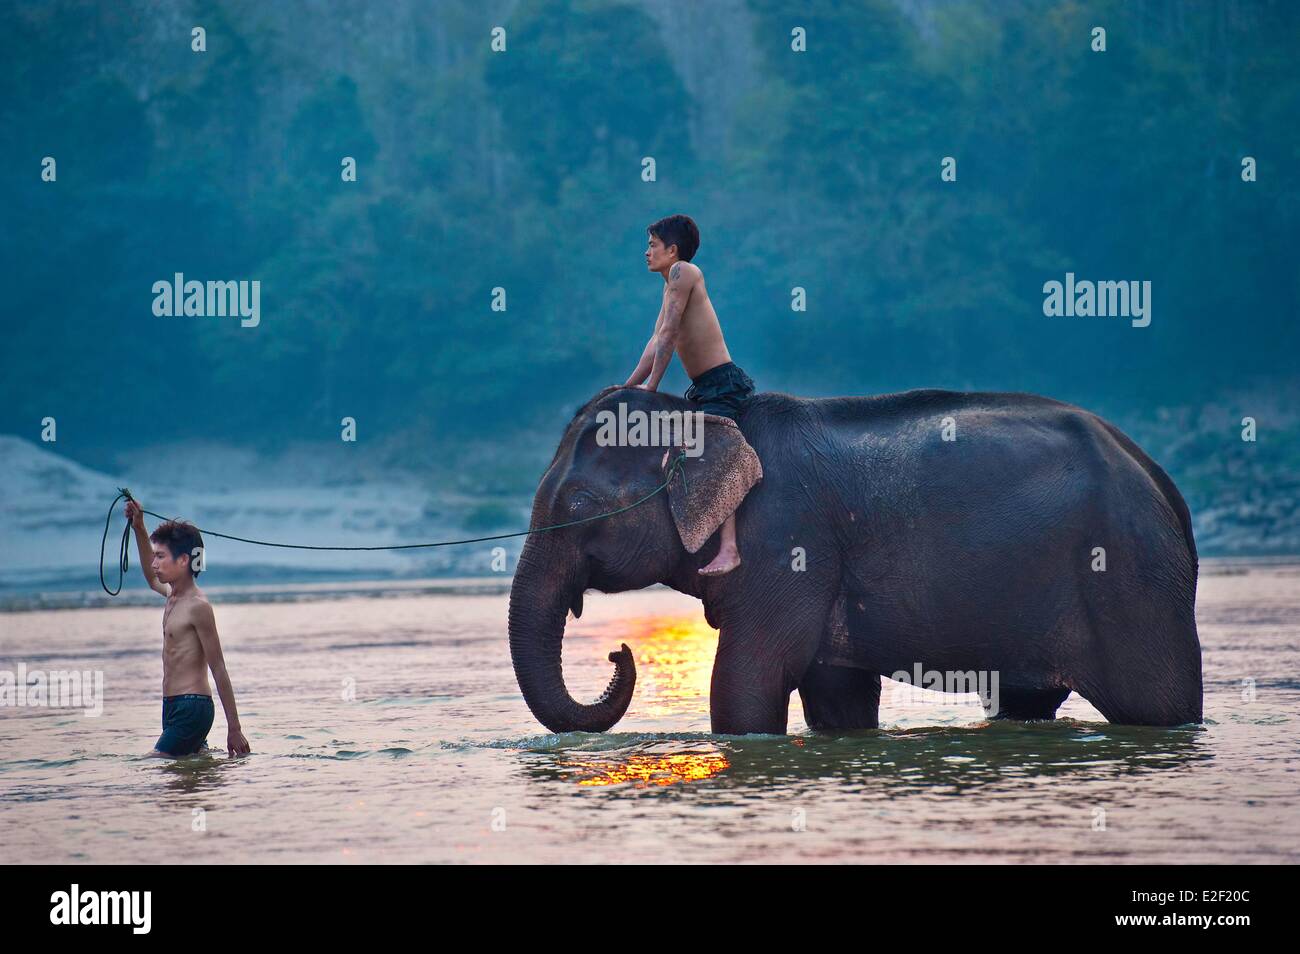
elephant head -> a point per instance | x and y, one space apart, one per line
651 542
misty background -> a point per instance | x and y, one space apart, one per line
522 170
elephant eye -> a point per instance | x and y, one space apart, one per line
581 500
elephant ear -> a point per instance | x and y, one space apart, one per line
706 490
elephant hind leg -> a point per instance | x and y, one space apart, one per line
1026 704
1145 665
839 697
1168 702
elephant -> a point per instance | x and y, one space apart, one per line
991 531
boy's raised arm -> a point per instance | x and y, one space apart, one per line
136 517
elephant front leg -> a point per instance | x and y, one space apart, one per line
771 618
840 697
754 673
748 694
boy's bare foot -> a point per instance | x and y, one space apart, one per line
726 561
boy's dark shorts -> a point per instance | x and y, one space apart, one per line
186 721
723 390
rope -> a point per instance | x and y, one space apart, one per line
125 494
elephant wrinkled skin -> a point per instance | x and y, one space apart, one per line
873 544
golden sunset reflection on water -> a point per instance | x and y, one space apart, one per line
674 657
674 664
655 769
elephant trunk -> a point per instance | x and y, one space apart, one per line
543 590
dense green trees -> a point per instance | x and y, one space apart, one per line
522 170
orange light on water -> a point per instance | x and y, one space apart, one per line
656 769
674 656
675 662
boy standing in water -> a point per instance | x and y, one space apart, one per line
190 643
688 326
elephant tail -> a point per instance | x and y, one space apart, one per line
1166 485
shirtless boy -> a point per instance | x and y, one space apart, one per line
190 643
688 326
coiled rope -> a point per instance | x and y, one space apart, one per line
125 494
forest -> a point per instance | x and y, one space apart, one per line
518 174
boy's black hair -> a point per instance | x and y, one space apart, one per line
181 539
679 230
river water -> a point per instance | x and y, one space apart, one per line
390 729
